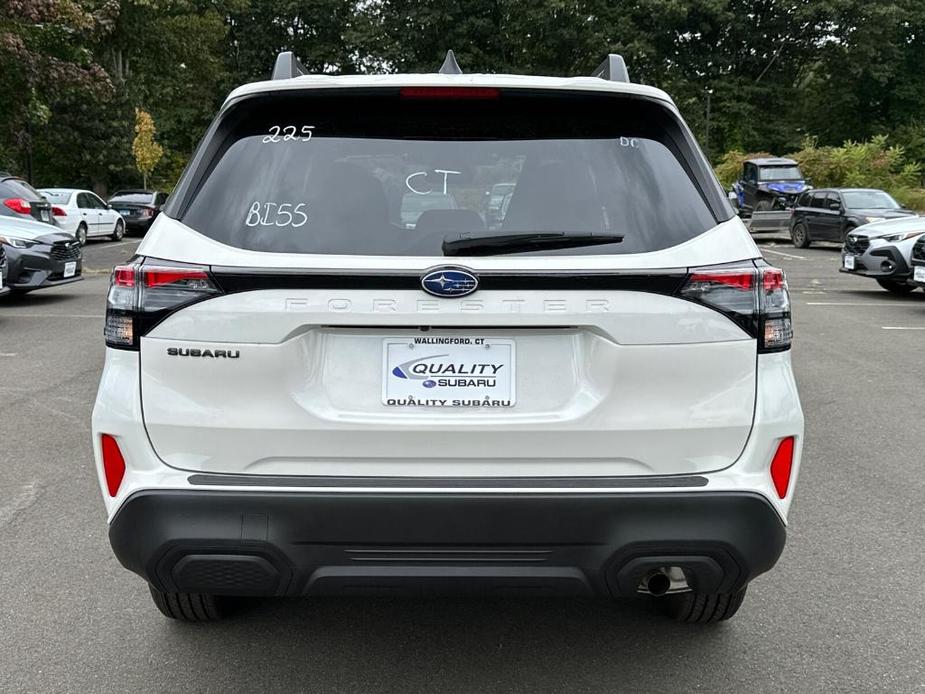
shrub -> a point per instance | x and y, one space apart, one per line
871 164
913 198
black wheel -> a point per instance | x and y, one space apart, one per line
895 287
764 205
81 234
119 232
187 607
702 608
799 235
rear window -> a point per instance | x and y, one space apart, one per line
133 198
56 196
378 174
18 188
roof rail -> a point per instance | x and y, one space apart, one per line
287 66
450 66
613 69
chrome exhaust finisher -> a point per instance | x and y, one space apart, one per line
663 581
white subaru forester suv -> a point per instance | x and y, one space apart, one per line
586 392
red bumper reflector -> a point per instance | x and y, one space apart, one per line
781 466
113 463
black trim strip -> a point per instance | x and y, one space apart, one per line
233 280
448 482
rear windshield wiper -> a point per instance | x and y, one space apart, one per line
464 244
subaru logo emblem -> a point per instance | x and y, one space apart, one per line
449 282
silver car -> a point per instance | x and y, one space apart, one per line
882 251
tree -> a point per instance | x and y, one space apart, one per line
147 152
42 56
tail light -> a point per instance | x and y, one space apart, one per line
58 211
18 205
147 212
141 295
754 297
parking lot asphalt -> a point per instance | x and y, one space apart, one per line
844 611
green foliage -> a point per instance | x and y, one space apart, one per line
774 72
871 164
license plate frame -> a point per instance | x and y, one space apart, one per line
848 262
70 269
918 273
449 372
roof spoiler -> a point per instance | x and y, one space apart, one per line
612 69
287 66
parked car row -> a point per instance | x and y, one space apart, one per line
81 213
879 235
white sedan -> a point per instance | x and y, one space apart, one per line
83 214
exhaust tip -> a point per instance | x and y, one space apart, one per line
658 583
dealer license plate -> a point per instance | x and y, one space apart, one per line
425 371
70 269
849 262
919 273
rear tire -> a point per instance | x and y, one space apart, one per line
119 231
799 235
187 607
81 234
894 287
702 608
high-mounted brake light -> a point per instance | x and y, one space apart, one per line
143 294
450 93
753 297
113 464
18 205
781 466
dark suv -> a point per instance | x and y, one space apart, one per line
138 208
19 199
829 214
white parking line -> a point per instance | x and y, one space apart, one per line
13 314
852 303
903 327
786 255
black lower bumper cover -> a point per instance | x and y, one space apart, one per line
260 543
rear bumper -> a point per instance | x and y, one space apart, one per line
306 543
137 225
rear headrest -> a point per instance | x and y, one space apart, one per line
447 221
346 197
554 196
